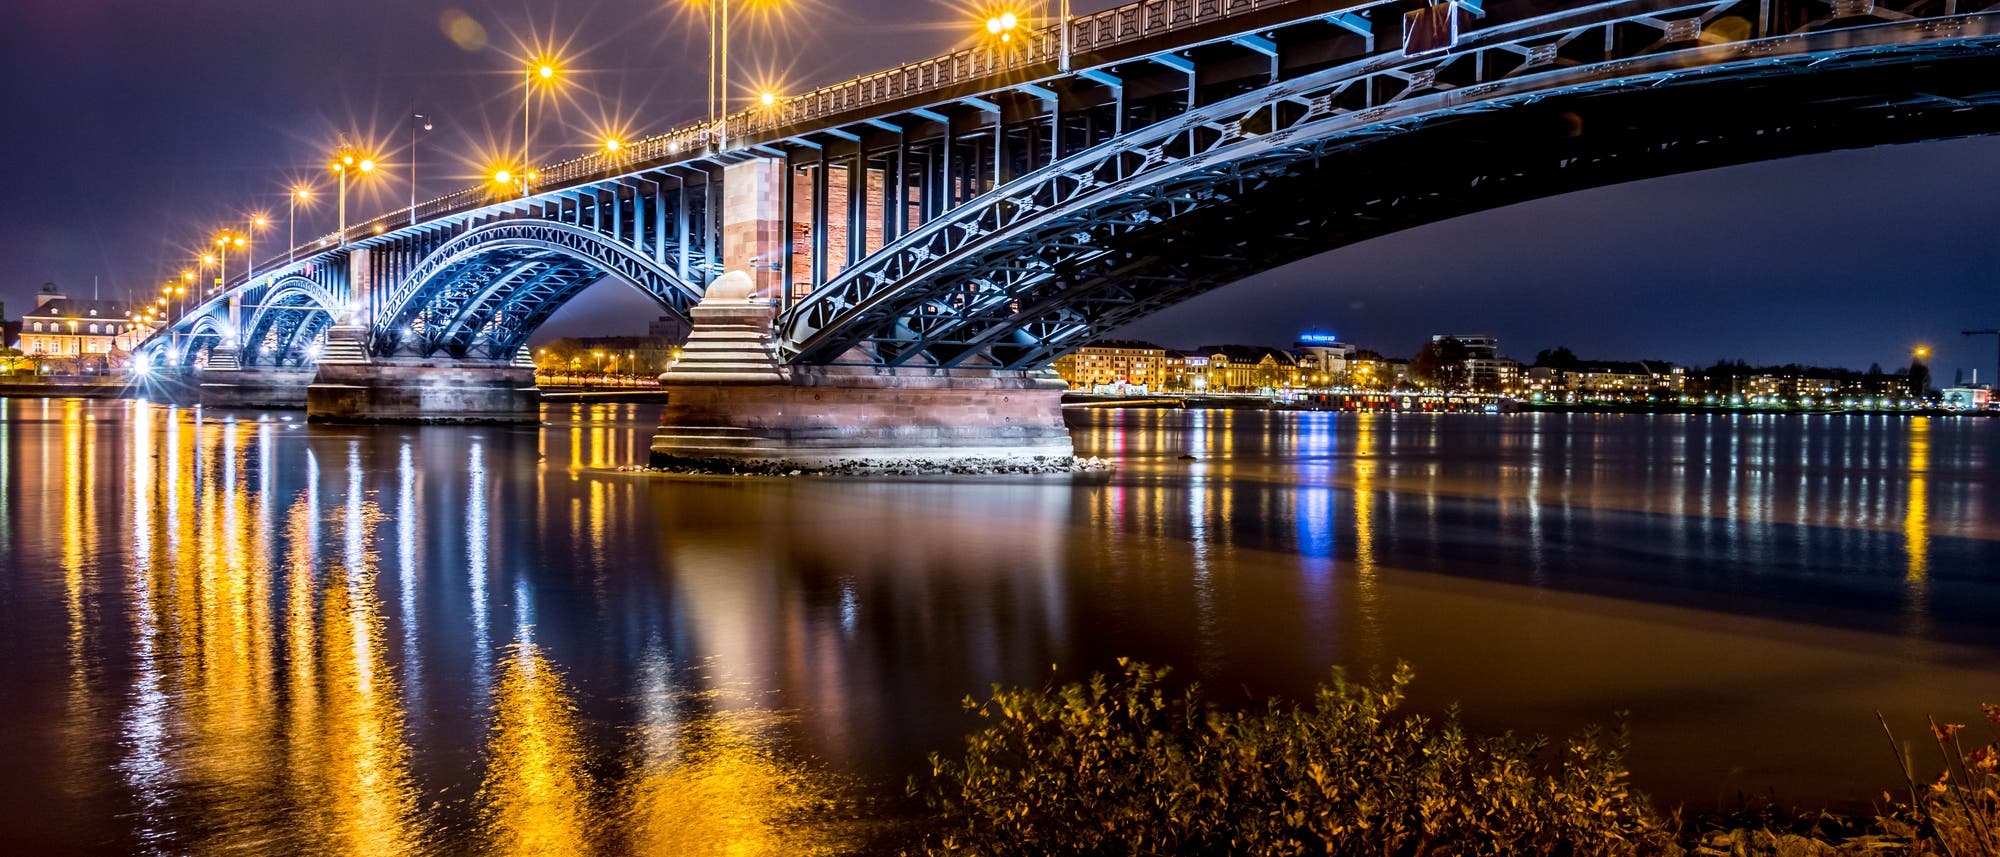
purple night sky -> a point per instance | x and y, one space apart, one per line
137 129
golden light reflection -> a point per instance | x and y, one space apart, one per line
370 799
714 786
1366 591
1916 509
534 798
78 526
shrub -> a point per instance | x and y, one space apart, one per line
1124 765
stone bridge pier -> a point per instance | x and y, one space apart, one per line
412 390
353 384
731 404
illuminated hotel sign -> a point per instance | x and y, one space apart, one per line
1318 339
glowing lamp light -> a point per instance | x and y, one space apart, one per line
611 145
546 71
768 99
503 177
367 165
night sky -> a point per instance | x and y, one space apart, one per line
137 129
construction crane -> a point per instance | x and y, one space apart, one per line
1993 333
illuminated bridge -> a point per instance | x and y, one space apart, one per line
955 224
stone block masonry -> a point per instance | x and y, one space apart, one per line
832 417
423 391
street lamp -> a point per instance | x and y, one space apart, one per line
718 72
544 69
1062 20
299 194
257 222
508 179
225 241
1003 25
348 162
414 119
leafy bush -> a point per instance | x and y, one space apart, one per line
1124 765
1958 814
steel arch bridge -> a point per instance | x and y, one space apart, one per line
994 210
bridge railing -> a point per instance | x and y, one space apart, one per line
1096 33
1149 18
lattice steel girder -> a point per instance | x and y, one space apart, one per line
443 277
1212 146
282 295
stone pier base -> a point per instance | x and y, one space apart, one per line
822 418
423 391
261 389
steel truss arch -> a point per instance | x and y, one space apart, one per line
437 306
287 313
1034 268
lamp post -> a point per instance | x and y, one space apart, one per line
247 239
414 119
346 163
1062 20
207 260
222 258
544 68
299 194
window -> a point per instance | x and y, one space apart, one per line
93 327
38 327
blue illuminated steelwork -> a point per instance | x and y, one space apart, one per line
1196 143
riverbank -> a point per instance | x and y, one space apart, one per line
1653 408
95 388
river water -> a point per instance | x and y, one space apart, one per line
243 634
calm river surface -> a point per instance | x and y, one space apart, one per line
242 634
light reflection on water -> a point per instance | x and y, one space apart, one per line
245 634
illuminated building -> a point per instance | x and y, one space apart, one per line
80 336
1114 362
1247 368
1322 359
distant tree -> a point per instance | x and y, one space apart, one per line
1441 363
1875 370
1559 357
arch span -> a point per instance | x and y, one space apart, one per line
289 316
1347 153
482 293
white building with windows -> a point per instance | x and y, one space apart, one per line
65 333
